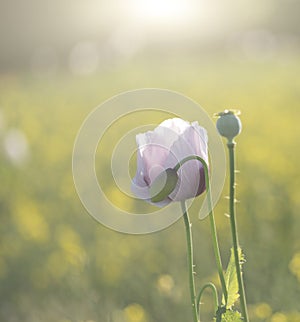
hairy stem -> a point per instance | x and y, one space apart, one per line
188 229
215 295
212 220
234 231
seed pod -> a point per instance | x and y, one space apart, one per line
229 124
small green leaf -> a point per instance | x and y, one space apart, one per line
231 279
232 316
223 315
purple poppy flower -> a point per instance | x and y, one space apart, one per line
158 153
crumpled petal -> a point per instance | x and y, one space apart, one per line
193 141
154 148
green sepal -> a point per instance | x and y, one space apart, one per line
165 183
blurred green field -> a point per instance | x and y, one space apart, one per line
58 264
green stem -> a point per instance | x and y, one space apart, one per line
231 145
215 295
212 221
188 228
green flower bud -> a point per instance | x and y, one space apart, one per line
228 124
163 185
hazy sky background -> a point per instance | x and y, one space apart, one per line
41 34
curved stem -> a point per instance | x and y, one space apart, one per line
212 221
215 295
234 232
188 228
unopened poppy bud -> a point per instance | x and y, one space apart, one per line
228 124
163 185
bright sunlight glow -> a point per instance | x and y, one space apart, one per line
158 12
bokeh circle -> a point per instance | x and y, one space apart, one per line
104 149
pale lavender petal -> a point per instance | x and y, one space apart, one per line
140 189
191 173
176 125
154 148
200 141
